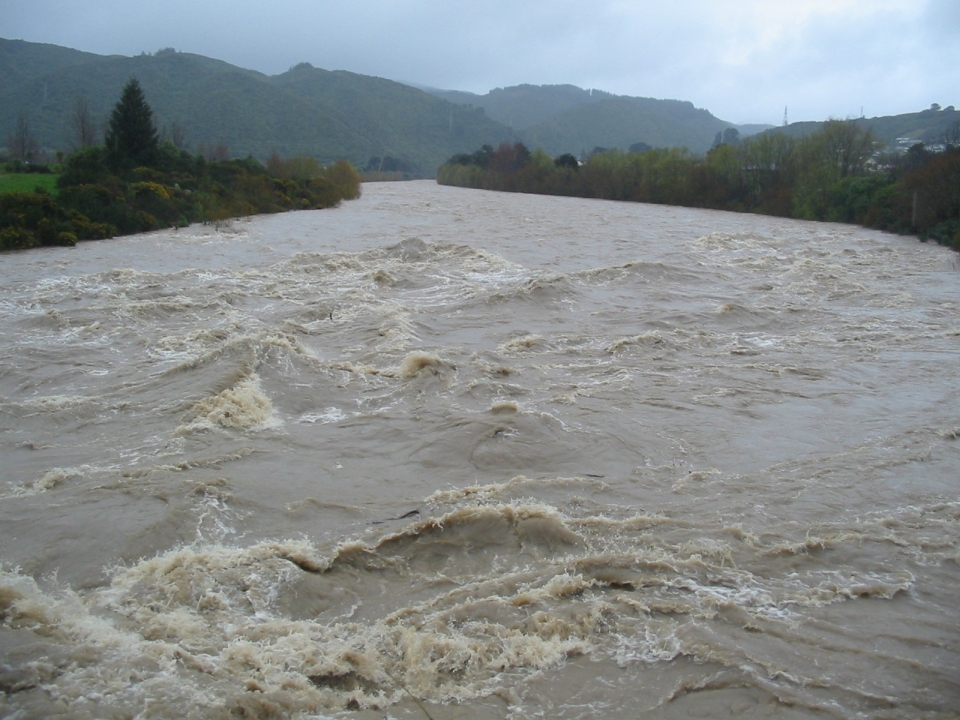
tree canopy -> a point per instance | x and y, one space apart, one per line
131 138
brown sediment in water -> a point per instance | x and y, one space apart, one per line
443 452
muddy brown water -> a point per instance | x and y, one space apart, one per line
475 455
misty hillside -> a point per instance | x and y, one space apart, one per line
339 114
21 60
393 119
622 121
306 111
565 118
522 106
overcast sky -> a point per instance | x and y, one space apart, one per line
744 60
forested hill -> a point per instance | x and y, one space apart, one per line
206 103
622 121
568 119
929 126
523 106
21 60
305 111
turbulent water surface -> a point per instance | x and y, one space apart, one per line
455 454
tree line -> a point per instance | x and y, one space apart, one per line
836 174
136 182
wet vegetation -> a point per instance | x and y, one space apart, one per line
836 174
136 183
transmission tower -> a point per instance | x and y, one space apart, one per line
785 122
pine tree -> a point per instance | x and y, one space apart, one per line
131 135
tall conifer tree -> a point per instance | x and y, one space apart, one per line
131 135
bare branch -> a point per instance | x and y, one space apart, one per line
83 128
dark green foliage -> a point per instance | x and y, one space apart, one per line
131 138
851 199
826 176
509 167
86 167
840 150
934 194
34 219
481 158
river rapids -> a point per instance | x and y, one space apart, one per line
458 454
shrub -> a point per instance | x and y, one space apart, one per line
17 238
345 179
33 219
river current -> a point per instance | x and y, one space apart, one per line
457 454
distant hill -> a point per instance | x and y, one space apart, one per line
622 121
565 118
339 114
20 60
308 111
392 119
928 126
523 106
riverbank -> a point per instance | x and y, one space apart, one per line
835 175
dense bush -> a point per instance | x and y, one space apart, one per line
93 202
933 190
29 220
831 175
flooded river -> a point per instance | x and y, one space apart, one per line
457 454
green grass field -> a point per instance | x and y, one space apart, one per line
27 182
